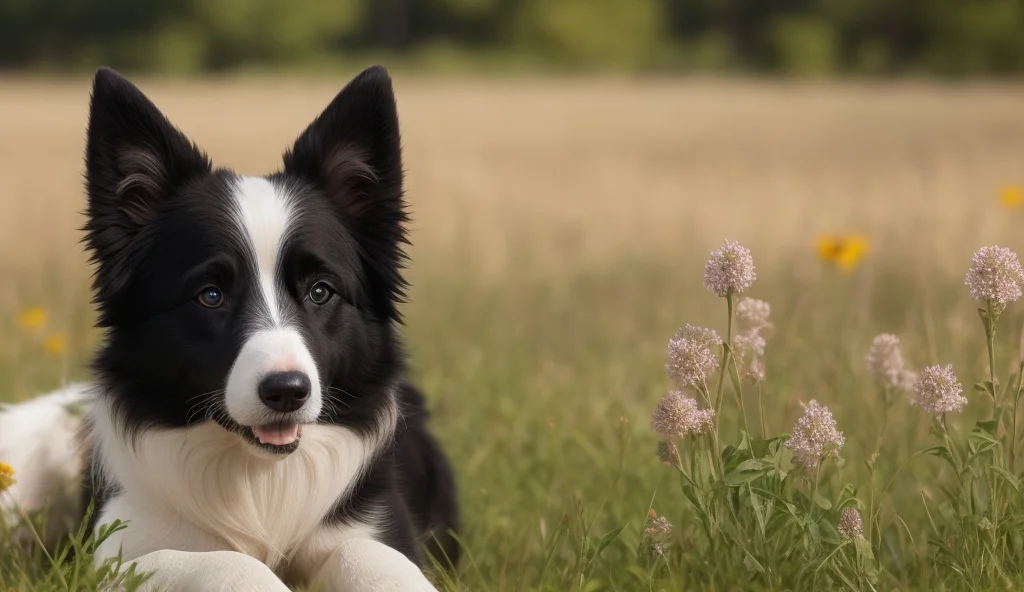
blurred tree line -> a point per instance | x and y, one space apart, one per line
796 37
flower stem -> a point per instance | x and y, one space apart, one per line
721 383
1013 431
990 337
760 405
726 354
814 491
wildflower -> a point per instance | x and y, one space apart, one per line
752 315
668 453
938 391
749 349
815 436
995 275
730 269
1011 196
32 319
657 535
678 415
690 357
884 362
6 477
845 252
850 524
55 344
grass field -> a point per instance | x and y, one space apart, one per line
561 229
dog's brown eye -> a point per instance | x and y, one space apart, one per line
210 297
320 293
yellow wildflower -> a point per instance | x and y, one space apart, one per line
55 344
6 477
1011 196
845 252
32 318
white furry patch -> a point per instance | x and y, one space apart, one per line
264 213
202 488
38 438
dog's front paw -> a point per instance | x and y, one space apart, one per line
227 571
363 565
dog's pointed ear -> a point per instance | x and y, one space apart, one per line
134 156
352 152
134 160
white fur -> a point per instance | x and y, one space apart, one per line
203 488
38 439
264 214
268 351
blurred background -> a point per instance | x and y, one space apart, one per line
570 164
798 37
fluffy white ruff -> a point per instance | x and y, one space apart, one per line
204 489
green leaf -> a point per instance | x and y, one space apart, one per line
941 452
822 502
989 427
985 386
760 448
1008 477
980 495
759 511
608 538
737 478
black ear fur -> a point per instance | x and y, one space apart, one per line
352 152
134 160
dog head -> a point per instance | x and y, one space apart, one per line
260 303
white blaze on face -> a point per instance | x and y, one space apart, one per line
263 213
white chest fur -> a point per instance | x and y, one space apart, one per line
202 488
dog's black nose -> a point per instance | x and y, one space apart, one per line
284 391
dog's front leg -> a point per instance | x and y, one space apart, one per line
364 565
227 571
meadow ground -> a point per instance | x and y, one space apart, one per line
561 230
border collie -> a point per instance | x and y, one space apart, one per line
249 416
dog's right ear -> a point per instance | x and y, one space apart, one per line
134 160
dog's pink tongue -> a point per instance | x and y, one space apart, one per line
278 434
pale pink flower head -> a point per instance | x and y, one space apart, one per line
677 416
815 436
850 524
657 537
884 362
748 347
938 391
753 315
692 356
730 269
995 275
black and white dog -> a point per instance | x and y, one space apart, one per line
249 416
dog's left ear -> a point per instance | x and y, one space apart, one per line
352 152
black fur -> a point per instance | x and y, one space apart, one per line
158 230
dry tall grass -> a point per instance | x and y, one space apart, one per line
580 167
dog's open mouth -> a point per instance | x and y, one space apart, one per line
279 433
279 437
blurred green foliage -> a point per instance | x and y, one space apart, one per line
794 37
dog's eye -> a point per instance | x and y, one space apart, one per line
321 292
210 297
